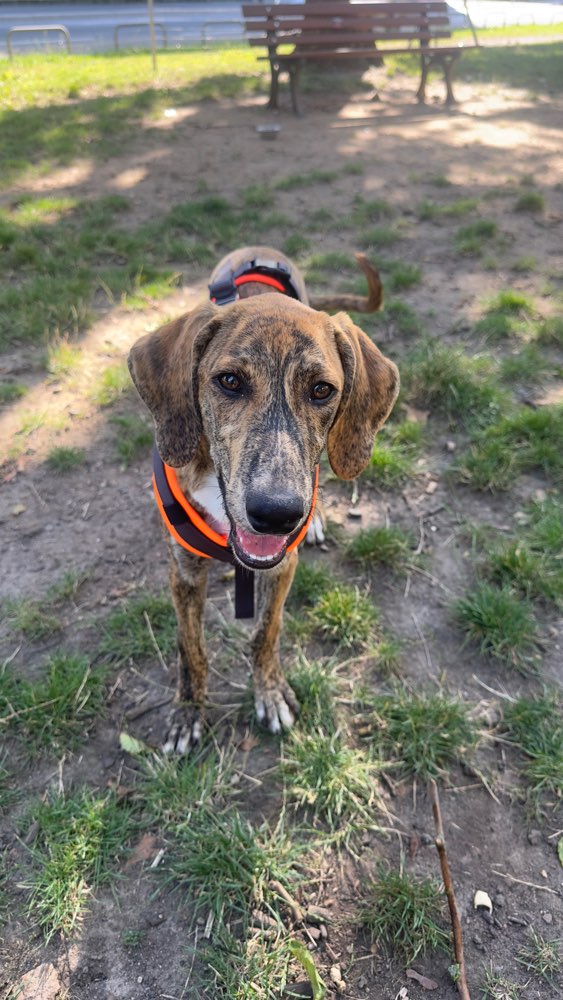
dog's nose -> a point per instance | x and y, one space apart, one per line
277 515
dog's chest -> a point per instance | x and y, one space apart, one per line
208 496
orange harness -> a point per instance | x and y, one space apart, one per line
186 526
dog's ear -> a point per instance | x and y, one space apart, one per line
163 366
371 386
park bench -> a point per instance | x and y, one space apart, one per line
333 32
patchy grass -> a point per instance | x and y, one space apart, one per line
532 563
452 384
306 179
111 384
402 276
378 237
471 240
126 633
528 365
10 391
336 781
64 458
501 623
296 245
177 791
79 838
311 581
32 619
550 331
367 211
498 988
63 358
402 912
316 686
396 318
56 711
381 546
134 437
248 969
394 454
419 734
525 441
345 616
530 201
226 865
541 956
535 725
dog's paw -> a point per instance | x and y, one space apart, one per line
276 707
183 731
315 532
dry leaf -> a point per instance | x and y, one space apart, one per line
18 509
248 742
144 850
425 982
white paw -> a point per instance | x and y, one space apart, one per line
183 734
276 708
315 532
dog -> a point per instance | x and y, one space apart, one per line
246 391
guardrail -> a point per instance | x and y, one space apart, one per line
37 27
139 24
205 38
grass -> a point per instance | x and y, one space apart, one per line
528 366
532 564
32 619
471 240
541 956
111 384
381 546
345 616
501 623
550 331
311 581
396 318
403 912
367 211
126 633
535 725
249 969
498 988
177 791
63 358
525 441
79 838
64 458
337 782
316 687
377 237
133 438
10 391
530 201
401 276
452 384
56 711
394 455
226 865
421 735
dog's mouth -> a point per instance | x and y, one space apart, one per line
258 551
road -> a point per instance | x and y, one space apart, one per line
92 26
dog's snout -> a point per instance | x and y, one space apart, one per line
274 515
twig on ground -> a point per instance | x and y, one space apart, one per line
532 885
296 910
440 842
424 643
141 710
161 659
499 694
30 708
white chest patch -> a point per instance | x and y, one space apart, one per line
208 495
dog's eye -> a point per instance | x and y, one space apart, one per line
230 382
322 391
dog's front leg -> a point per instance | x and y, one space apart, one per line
276 704
188 586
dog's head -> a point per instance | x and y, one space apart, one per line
267 382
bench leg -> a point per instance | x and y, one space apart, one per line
449 66
274 86
421 92
294 75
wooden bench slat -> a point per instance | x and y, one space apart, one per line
337 8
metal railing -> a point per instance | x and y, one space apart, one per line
139 24
37 27
205 38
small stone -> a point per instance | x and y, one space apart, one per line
499 899
478 942
314 932
354 514
547 917
139 979
535 837
425 839
450 446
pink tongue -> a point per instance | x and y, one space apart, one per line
260 546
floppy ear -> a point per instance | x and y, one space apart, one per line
371 386
163 366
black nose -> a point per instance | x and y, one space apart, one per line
274 515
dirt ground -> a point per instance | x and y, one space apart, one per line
100 520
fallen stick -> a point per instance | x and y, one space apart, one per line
440 842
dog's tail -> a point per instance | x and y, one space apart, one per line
354 303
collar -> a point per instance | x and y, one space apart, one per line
191 531
266 272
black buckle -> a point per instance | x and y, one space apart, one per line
223 291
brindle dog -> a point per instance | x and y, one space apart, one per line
245 398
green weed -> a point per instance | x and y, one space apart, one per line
134 437
403 912
525 264
126 634
532 563
79 838
63 458
535 725
306 179
530 201
10 391
502 624
526 441
402 276
396 318
419 734
62 357
381 546
179 791
394 454
345 616
367 211
310 582
451 383
248 969
528 365
550 331
377 237
498 988
132 937
296 244
316 687
337 782
31 619
542 956
55 711
111 384
471 240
